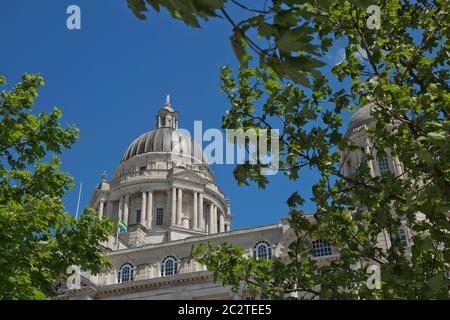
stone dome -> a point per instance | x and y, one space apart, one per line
165 139
360 117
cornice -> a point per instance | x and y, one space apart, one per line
197 239
154 283
89 291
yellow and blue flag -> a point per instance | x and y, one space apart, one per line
122 226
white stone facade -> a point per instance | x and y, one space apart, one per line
165 192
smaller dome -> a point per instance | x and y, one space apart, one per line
360 117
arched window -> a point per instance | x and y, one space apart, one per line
262 250
169 266
126 272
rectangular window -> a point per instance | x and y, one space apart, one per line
159 216
321 248
383 165
138 216
400 235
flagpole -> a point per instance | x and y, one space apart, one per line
79 198
117 239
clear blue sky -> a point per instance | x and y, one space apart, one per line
111 77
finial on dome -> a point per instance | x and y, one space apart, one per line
167 117
104 176
168 101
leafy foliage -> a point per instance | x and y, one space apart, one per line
38 241
402 71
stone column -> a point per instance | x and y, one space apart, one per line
100 209
369 163
194 211
200 219
126 206
180 207
344 165
211 219
174 206
109 209
186 222
168 201
221 223
398 170
144 208
149 213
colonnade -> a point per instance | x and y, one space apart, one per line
204 216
